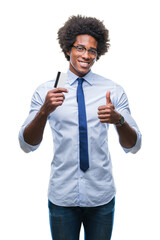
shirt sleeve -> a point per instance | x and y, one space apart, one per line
122 106
36 104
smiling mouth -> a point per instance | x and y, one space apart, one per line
84 64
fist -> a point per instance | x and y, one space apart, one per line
54 98
107 113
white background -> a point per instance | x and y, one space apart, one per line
29 56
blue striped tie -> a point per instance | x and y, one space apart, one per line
83 139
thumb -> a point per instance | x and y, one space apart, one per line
108 99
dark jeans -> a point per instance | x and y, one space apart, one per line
65 222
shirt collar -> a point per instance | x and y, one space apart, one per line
73 77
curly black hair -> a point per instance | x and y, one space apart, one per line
78 25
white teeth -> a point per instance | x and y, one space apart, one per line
84 64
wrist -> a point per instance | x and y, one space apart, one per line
120 122
42 113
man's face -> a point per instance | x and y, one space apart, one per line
81 60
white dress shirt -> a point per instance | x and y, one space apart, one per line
68 185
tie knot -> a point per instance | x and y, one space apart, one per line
80 80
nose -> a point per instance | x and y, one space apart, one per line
85 54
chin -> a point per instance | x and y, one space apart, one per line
82 71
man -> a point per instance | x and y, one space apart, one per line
81 187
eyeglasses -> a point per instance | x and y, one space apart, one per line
82 50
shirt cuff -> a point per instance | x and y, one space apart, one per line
137 146
25 146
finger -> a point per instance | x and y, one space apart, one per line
56 95
57 99
60 90
105 111
103 107
59 95
104 116
108 99
58 103
53 95
105 120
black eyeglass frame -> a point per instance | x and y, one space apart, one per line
91 52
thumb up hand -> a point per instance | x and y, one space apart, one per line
107 113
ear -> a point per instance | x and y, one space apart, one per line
95 59
68 53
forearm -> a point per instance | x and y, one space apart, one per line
127 136
33 132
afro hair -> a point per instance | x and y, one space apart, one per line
79 25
